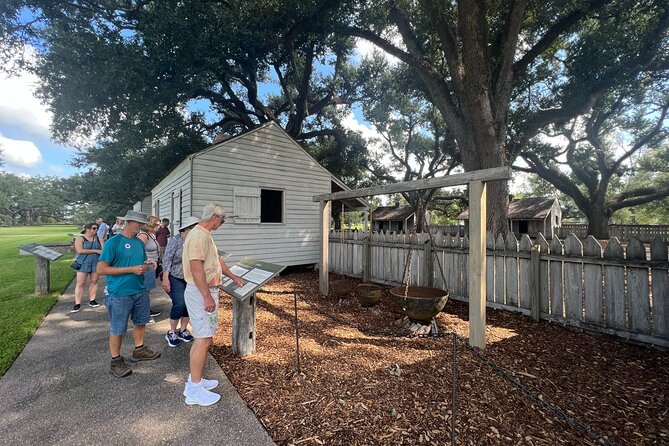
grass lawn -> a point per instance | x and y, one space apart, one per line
21 311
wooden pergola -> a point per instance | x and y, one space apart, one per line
476 276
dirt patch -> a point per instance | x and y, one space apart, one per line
364 384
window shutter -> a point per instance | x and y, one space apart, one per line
247 204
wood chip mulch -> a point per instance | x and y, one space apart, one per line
364 384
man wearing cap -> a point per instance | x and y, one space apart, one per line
123 261
203 268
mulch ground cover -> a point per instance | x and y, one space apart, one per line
364 382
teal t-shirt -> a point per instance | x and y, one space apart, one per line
120 251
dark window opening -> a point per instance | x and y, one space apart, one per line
522 227
271 206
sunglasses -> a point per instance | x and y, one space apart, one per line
94 228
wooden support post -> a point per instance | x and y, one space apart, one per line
535 259
428 271
477 263
366 258
324 264
244 326
42 275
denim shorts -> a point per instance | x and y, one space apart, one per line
120 308
204 324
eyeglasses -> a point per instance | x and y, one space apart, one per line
221 217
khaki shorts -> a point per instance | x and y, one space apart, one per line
204 324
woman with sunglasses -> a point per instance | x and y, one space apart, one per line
88 250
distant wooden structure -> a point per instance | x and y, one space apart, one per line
476 182
396 218
531 216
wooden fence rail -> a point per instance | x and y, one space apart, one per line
619 290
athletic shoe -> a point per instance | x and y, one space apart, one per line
76 308
208 384
185 335
172 339
197 394
93 303
144 354
120 368
154 312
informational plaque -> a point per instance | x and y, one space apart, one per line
40 251
255 273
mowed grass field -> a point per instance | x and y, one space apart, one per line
21 311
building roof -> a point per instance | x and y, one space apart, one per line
392 213
532 208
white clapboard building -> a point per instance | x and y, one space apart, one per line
265 178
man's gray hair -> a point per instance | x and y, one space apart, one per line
212 209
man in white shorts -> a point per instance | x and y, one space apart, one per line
203 268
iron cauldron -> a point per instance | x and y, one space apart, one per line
369 294
341 288
421 303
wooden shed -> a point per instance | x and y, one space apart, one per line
531 216
395 218
267 180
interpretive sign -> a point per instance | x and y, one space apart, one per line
255 273
39 250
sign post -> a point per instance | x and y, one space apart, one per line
255 273
43 257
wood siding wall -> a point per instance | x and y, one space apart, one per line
173 195
620 290
265 158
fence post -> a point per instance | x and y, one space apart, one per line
535 295
366 258
429 265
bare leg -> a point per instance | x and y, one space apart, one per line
115 345
79 288
198 356
173 325
138 334
184 323
93 286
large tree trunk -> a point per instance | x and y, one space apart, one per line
598 221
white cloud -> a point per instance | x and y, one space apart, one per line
19 107
20 153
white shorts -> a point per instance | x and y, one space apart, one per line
204 324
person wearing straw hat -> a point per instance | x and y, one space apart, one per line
123 261
203 268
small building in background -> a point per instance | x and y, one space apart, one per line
530 216
397 218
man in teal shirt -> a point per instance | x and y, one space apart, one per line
123 261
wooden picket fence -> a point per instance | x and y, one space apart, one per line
617 289
645 233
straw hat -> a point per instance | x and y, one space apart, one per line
188 222
135 216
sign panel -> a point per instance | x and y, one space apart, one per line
255 273
41 251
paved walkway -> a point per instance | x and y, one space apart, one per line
59 390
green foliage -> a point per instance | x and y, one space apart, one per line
21 311
33 200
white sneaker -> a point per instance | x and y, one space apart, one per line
196 394
208 384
